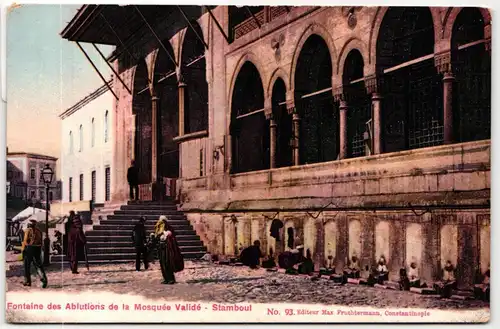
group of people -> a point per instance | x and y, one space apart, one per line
31 249
74 244
164 241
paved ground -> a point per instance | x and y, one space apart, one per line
228 284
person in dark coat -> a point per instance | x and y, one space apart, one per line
76 243
250 256
133 181
67 227
169 253
31 250
139 238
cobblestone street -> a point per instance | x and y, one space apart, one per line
227 284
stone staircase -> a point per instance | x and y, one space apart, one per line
110 239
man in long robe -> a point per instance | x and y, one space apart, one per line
67 228
76 243
31 251
169 253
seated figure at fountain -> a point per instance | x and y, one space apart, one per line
307 264
269 261
482 289
353 269
445 287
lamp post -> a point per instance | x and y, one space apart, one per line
47 175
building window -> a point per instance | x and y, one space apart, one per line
9 174
93 185
81 139
81 187
70 189
106 119
32 194
92 137
32 173
42 195
70 142
107 173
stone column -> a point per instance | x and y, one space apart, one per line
154 138
442 62
343 129
372 84
272 145
448 80
296 137
182 88
377 123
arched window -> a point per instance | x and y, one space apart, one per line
166 88
359 112
472 69
141 107
249 127
319 124
70 142
283 121
412 89
106 123
92 137
80 149
194 74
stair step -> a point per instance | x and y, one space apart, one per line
130 227
128 243
125 256
150 207
127 237
149 218
131 250
148 212
124 221
127 233
141 202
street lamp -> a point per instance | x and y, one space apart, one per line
47 175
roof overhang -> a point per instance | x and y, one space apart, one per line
108 24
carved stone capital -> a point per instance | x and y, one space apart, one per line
268 112
338 94
487 45
373 83
442 62
290 106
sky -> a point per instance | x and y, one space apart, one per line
45 76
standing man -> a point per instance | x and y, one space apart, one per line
133 181
76 243
32 250
139 238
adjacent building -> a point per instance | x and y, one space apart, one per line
24 180
365 130
87 148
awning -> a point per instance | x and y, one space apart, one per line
105 24
130 26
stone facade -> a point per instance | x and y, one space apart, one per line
427 203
